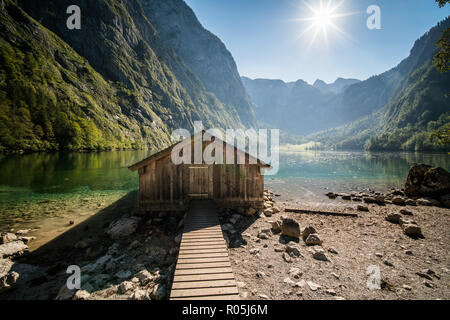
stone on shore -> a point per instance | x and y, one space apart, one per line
313 240
268 212
139 294
8 279
369 200
393 217
307 231
123 228
125 286
406 212
81 295
292 249
318 253
412 230
290 228
399 201
145 277
7 237
363 208
12 249
275 226
331 195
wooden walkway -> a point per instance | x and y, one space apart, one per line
203 270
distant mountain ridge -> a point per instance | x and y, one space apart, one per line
297 107
338 86
396 110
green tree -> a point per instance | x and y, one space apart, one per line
442 2
443 135
441 59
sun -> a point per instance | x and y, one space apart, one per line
322 19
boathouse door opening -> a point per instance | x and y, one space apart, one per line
200 182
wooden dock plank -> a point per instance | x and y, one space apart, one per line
203 284
201 292
203 270
183 266
207 250
200 277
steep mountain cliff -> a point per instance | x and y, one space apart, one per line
112 84
202 51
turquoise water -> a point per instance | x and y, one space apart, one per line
308 175
42 185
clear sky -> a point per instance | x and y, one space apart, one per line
272 38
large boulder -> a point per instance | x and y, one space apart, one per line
425 180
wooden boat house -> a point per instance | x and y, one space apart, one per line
165 186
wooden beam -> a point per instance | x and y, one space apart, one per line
324 213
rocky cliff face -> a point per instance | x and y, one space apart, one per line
202 51
141 90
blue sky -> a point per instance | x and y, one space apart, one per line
264 36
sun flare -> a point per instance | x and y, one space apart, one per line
322 19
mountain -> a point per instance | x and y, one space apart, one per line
116 83
396 110
297 107
418 104
202 51
339 86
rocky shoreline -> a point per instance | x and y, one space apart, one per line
275 253
130 257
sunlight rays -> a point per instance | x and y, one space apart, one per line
321 20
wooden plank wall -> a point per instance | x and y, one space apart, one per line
162 182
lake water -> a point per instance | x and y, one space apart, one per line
46 186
